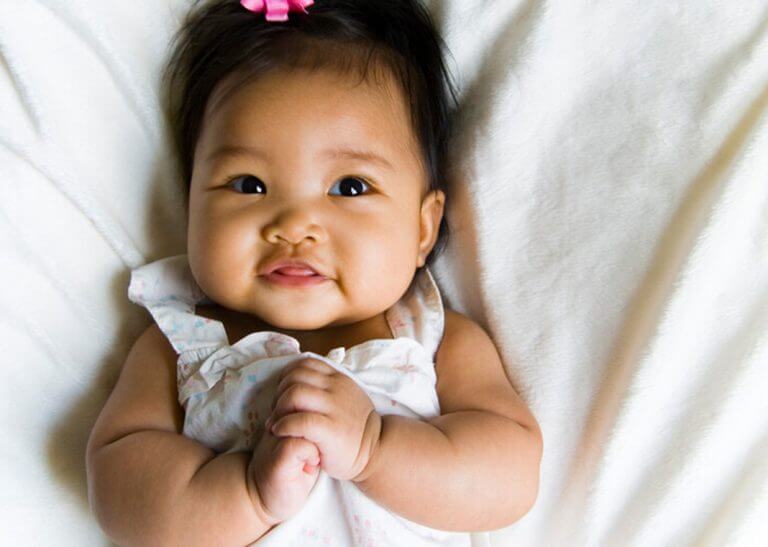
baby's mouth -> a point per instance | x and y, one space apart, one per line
295 271
295 277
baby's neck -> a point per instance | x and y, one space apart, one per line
321 341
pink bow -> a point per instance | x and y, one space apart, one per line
277 10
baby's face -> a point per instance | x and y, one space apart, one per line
315 167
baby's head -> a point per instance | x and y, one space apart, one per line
322 140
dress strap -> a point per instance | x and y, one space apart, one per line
169 291
419 314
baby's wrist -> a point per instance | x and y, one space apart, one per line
258 507
373 429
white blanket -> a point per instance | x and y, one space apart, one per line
610 219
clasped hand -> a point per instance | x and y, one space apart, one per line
315 401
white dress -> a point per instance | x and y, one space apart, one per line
226 391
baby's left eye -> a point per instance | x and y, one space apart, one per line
351 186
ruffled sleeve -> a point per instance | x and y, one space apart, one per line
169 292
419 314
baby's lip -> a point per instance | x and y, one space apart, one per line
291 267
295 271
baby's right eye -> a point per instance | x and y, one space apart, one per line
249 185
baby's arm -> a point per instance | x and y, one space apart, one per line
475 467
150 485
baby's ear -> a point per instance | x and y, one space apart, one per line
432 208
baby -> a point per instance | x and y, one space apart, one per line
302 382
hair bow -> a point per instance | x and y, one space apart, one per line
276 10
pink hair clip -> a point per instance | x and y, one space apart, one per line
277 10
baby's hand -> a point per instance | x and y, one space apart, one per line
283 473
317 403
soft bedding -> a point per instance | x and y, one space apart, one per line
610 215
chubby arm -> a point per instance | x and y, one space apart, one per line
476 466
150 485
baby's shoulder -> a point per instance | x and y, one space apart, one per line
153 343
471 375
457 325
151 360
466 355
144 396
462 337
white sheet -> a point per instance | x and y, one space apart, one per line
611 232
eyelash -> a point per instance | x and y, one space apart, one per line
232 182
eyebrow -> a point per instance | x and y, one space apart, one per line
336 153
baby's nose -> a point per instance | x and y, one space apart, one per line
294 227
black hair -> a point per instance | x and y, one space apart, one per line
220 39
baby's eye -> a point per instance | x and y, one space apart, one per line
249 185
351 186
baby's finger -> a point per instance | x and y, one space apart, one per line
306 455
317 364
308 364
303 376
311 464
311 426
294 455
301 397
